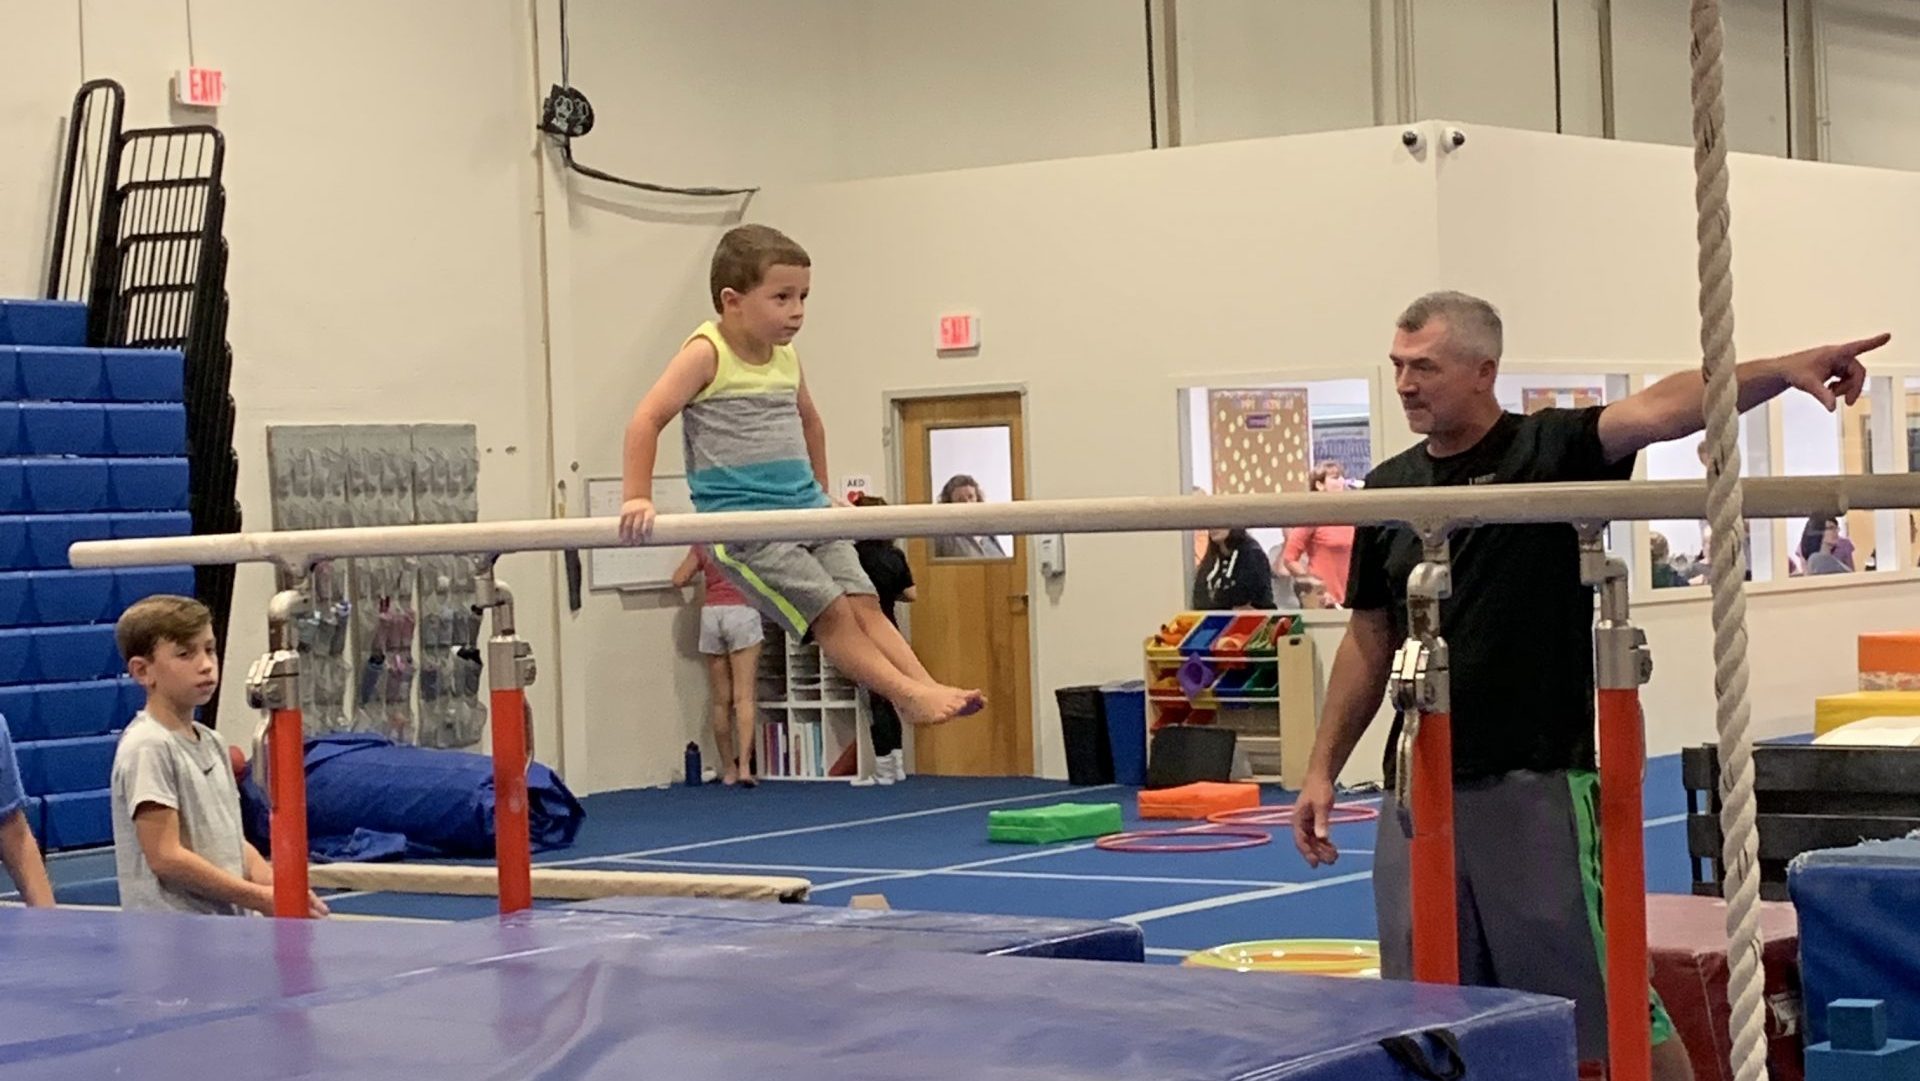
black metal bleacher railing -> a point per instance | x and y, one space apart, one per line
139 238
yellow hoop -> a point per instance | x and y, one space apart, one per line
1351 957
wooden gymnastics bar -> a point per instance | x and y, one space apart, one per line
553 883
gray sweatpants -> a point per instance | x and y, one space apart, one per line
1527 857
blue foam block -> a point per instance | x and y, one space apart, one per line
1858 936
1860 1049
10 441
65 485
757 923
13 485
162 524
145 375
66 710
134 583
16 600
78 428
74 596
62 375
14 551
50 535
53 767
585 1003
149 484
72 654
152 429
79 820
17 664
43 322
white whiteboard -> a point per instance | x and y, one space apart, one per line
635 568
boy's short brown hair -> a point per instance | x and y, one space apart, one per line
162 617
741 260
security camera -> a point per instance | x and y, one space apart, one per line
1456 138
1413 139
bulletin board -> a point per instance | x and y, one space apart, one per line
1259 440
638 567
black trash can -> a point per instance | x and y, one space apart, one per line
1083 724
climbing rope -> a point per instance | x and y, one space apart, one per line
1728 561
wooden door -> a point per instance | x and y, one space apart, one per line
970 623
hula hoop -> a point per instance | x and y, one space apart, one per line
1283 816
1144 840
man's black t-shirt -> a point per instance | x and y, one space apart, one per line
1518 624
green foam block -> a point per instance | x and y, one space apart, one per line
1060 822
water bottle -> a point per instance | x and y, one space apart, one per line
693 764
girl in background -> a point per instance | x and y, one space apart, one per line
730 636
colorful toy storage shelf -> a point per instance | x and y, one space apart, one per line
1251 671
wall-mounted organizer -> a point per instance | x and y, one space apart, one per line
391 641
810 714
1250 671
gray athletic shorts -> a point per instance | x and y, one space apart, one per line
728 628
1527 854
790 583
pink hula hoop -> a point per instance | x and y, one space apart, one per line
1144 840
1283 816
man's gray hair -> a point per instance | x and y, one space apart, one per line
1473 325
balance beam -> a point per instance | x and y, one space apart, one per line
550 883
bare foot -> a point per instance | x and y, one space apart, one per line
937 705
730 778
747 779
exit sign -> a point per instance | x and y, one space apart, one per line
959 331
204 88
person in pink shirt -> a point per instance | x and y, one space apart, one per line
730 636
1322 551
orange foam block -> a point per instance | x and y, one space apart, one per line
1890 661
1198 800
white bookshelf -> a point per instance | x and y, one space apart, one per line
809 713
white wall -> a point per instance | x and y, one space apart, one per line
39 72
1614 284
1869 80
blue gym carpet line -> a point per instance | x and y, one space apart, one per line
922 844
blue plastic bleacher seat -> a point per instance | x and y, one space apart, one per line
50 374
162 524
49 535
157 429
16 600
18 706
17 663
51 767
78 819
149 483
64 710
145 375
134 583
10 441
13 485
71 654
43 322
66 485
73 428
9 371
62 597
15 553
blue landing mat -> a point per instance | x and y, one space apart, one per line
169 998
752 923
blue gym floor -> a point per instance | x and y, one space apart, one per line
922 844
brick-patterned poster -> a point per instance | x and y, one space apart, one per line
1260 440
